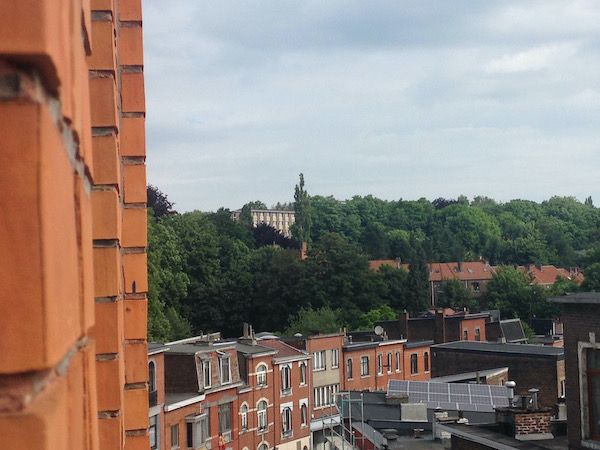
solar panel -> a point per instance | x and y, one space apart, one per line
451 396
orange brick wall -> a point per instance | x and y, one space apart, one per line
73 235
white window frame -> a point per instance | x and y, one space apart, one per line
364 366
286 422
335 358
319 361
379 363
414 357
349 369
244 417
260 373
397 362
262 418
302 367
222 359
286 379
389 362
174 442
206 364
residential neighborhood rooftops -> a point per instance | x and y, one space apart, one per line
284 350
522 349
468 270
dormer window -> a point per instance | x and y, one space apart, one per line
206 373
224 369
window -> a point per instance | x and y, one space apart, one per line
319 360
325 395
426 361
477 334
174 436
261 412
397 361
335 358
389 363
465 335
304 414
414 364
197 431
593 382
151 376
302 373
562 388
379 363
286 380
349 368
153 432
476 286
261 375
244 417
224 370
364 366
286 422
225 420
263 447
206 373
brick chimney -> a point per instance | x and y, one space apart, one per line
403 324
439 336
527 421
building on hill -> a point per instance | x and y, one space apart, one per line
546 275
530 366
439 326
581 318
474 275
279 219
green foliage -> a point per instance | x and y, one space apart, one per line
302 207
592 278
310 321
368 320
454 294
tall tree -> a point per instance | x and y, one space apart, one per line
158 201
302 226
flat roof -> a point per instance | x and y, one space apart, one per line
414 344
468 375
493 347
580 298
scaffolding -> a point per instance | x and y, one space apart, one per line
336 432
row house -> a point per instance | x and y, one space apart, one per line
207 393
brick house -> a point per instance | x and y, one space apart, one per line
73 237
581 319
530 366
417 360
442 325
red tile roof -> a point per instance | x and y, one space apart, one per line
283 350
468 270
375 264
547 275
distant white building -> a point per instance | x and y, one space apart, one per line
280 220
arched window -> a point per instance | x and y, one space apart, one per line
397 361
379 363
414 364
302 373
286 379
426 361
389 362
304 414
286 421
263 446
151 376
349 368
244 417
261 375
261 412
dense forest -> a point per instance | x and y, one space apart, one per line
209 273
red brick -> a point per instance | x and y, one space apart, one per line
131 50
107 214
130 10
111 433
133 136
107 272
104 102
109 376
132 92
136 409
135 270
103 5
103 46
135 226
86 254
136 313
107 166
77 403
136 362
108 331
134 183
136 442
44 425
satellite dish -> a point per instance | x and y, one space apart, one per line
378 330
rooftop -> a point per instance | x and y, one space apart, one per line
415 344
519 349
284 350
580 298
469 375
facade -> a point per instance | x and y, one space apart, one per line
74 375
417 360
581 319
530 366
439 326
278 219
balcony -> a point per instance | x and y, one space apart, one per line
152 398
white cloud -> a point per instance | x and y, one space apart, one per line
532 59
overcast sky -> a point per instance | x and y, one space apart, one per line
399 99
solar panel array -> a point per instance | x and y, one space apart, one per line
451 396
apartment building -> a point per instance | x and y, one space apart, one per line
278 219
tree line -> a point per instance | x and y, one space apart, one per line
208 272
